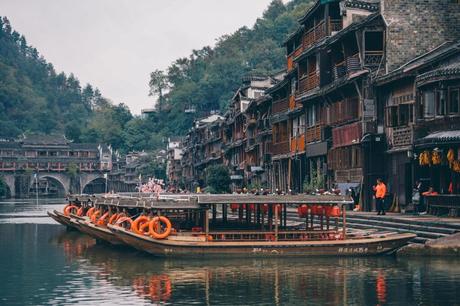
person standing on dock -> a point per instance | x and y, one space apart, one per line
380 192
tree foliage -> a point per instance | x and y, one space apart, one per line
36 98
207 79
218 179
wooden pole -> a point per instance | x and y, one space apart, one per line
344 222
276 222
206 223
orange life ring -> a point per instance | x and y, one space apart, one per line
144 228
136 226
69 209
114 218
154 227
90 211
80 211
125 220
102 220
94 216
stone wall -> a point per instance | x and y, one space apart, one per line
417 26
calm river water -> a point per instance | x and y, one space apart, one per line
43 264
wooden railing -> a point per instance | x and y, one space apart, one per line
401 136
335 25
343 111
279 148
309 82
320 31
373 58
313 35
313 134
345 67
280 106
290 57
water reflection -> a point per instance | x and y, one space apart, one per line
44 264
358 281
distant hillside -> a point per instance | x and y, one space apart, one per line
35 98
207 79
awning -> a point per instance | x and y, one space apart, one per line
439 138
316 149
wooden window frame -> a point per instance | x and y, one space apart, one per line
449 102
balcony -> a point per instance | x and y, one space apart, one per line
373 59
313 134
280 106
279 148
319 31
292 104
309 82
290 57
401 136
298 144
346 67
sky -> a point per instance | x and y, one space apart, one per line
115 44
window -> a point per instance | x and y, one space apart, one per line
311 116
440 103
428 104
392 116
404 114
454 100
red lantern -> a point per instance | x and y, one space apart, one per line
302 211
234 207
335 212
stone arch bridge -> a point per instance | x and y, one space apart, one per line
19 184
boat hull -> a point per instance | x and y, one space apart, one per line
350 247
98 232
67 221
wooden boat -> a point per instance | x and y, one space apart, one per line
63 219
226 226
193 247
98 232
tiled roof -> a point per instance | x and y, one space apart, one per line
451 71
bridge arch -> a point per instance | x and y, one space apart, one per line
62 182
92 178
96 185
10 183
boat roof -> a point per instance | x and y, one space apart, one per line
197 201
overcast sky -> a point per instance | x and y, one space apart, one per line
115 44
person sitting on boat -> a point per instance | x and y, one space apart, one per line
380 192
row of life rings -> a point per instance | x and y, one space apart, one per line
158 227
319 210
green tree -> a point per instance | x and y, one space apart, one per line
218 179
158 85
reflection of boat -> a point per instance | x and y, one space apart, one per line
181 226
363 246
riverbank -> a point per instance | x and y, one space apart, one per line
443 247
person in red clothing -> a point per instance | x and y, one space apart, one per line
380 192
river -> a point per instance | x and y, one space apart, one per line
42 263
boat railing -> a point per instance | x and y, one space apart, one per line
334 234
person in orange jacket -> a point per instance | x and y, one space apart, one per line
380 192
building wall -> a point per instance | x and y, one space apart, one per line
415 27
